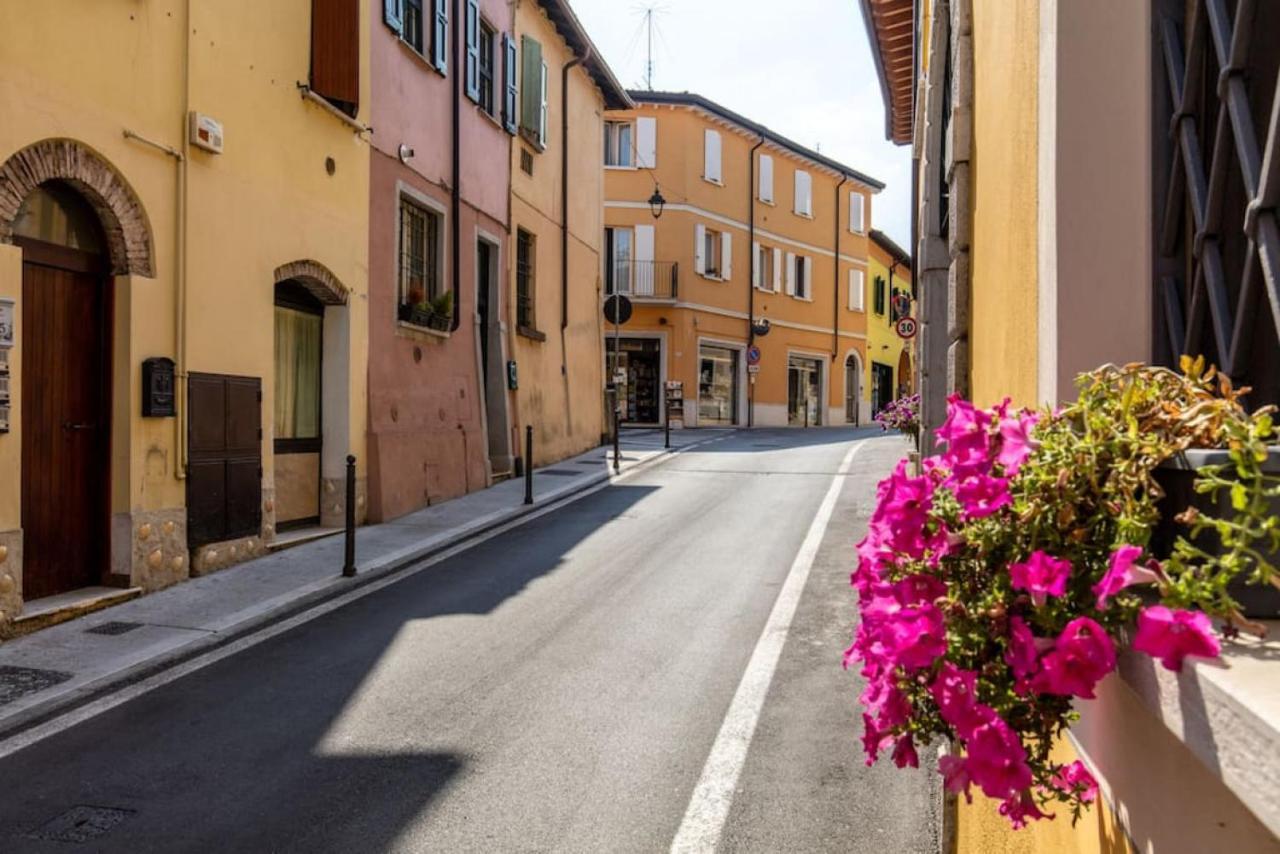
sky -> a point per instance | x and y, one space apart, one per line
801 67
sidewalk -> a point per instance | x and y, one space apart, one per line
69 664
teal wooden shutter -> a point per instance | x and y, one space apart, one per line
393 14
440 36
509 87
530 85
473 50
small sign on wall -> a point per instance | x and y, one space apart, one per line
8 322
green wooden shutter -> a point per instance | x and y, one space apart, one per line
473 49
509 87
393 14
440 37
530 85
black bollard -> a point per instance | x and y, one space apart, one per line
617 453
528 464
349 564
666 417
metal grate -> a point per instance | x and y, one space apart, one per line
18 682
116 627
81 823
1219 243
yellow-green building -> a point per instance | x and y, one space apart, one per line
890 300
183 244
1096 182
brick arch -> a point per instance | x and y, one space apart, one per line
316 278
123 218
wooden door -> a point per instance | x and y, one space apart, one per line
65 426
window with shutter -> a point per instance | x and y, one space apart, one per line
856 224
711 157
777 270
510 93
803 193
472 26
757 265
487 39
647 142
879 295
726 256
335 53
857 285
393 15
617 144
416 33
542 109
530 86
440 36
790 270
700 249
766 179
224 474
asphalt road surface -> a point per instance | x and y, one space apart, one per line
556 688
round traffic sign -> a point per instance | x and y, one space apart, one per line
753 355
907 327
617 309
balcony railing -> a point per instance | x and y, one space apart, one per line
643 279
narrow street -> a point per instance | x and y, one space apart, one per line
558 687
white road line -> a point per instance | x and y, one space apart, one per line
708 810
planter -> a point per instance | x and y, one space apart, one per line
1177 478
425 317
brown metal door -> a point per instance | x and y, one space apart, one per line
65 429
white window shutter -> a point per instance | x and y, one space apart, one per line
855 212
643 254
791 274
808 277
644 243
856 290
647 142
699 249
726 256
711 156
756 272
777 269
766 178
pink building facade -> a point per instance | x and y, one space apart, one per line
443 104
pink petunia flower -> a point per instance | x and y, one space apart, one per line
1041 575
918 588
918 636
1075 779
1016 443
1081 656
1122 573
966 435
955 775
1021 654
1172 636
1019 808
980 495
956 693
904 753
997 761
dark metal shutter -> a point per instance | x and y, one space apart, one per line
335 52
224 473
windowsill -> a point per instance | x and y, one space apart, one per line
770 202
416 330
713 181
861 232
1227 712
532 141
857 310
531 333
802 299
420 57
493 117
714 277
622 168
808 216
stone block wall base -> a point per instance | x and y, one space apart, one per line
216 556
268 514
10 576
333 501
158 548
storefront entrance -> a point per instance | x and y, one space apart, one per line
804 391
299 321
717 386
852 388
66 391
881 386
640 359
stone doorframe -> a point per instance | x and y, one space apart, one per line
119 210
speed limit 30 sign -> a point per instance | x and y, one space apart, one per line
907 327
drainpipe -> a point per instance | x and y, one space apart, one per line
751 280
564 193
180 261
455 200
835 278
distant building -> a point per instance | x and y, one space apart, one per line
762 243
890 360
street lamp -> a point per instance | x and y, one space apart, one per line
657 202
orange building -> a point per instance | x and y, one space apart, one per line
749 284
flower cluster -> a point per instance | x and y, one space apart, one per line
993 585
902 415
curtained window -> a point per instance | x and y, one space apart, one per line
297 410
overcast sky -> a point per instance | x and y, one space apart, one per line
801 67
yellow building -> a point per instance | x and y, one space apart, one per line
556 228
183 242
1075 206
890 357
749 288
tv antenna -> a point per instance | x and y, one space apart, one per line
649 24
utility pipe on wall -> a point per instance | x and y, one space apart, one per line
180 261
455 191
751 278
564 187
835 279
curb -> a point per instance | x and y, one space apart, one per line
317 593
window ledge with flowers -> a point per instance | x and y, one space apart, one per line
1002 579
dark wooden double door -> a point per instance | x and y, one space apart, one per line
65 350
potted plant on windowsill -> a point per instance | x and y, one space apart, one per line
435 313
995 586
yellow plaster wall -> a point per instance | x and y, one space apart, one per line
561 378
883 343
1003 198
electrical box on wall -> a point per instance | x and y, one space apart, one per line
158 388
206 132
513 379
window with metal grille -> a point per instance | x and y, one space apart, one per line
1217 176
420 273
413 30
526 259
487 36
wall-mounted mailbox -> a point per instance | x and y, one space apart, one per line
513 378
158 388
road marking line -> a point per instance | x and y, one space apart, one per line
67 719
708 810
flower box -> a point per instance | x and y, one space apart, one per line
424 316
1176 477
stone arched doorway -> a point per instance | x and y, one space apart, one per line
906 382
852 387
78 225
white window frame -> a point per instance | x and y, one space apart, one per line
803 286
803 178
613 145
764 192
542 116
711 142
